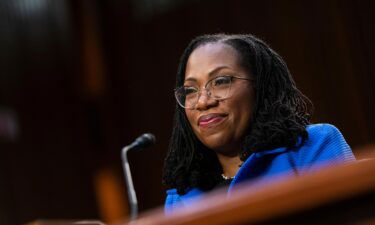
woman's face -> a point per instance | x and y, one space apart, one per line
219 124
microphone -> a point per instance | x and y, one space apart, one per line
143 141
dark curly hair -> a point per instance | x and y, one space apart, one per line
281 114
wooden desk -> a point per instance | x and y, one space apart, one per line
339 195
66 222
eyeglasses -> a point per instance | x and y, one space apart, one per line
217 88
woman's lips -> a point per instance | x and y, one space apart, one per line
211 119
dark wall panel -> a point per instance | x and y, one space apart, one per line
46 165
81 79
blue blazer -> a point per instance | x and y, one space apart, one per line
325 146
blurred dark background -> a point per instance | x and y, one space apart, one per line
81 79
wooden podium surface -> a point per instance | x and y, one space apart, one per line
343 194
66 222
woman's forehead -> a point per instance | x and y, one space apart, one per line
209 57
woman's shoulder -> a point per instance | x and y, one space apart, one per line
325 142
322 129
325 134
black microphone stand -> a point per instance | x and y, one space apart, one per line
133 203
142 141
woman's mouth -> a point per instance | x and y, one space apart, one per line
211 119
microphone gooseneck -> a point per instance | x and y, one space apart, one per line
143 141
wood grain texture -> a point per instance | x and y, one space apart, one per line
328 189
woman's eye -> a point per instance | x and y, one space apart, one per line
221 81
190 90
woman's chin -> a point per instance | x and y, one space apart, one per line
214 140
221 145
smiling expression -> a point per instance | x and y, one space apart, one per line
219 124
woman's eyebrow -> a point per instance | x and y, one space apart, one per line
190 79
210 74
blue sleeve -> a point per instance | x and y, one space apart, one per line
171 201
174 200
325 146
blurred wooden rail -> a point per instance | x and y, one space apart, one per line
340 195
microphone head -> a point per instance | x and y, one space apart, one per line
145 140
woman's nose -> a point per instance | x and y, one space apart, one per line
205 101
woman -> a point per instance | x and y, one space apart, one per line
239 116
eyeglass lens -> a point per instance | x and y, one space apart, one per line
217 88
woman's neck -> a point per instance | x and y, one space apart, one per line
230 164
